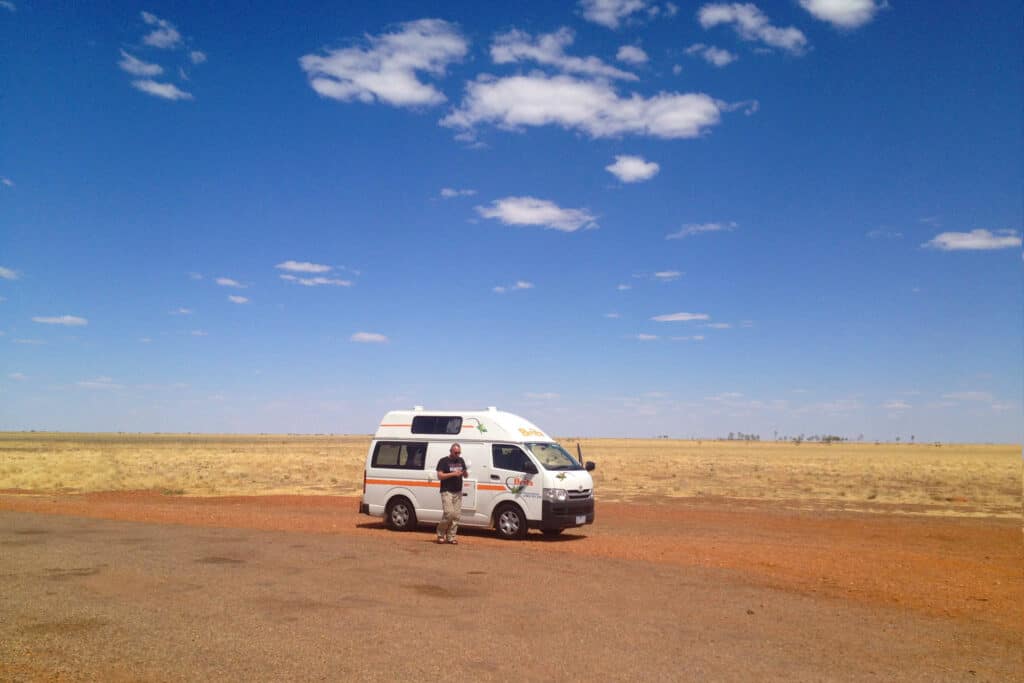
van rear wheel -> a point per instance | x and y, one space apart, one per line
510 522
400 515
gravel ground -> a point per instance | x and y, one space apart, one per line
302 588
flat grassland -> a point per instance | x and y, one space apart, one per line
948 479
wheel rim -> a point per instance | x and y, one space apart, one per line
508 522
400 515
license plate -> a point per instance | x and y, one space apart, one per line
581 519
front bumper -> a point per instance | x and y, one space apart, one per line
563 515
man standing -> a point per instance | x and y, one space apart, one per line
451 470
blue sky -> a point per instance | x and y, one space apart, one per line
615 217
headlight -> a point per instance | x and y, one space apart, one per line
557 495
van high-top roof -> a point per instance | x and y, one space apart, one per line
458 425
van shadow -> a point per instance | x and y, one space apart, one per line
427 532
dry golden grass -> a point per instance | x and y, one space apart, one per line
952 479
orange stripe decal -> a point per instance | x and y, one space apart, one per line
384 425
489 487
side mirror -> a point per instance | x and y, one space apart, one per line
589 467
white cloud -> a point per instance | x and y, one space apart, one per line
696 337
549 49
539 212
167 91
593 107
182 311
197 56
974 240
545 396
843 13
613 316
32 342
228 282
631 54
718 326
8 274
518 286
8 5
303 267
667 275
99 383
237 299
645 337
712 55
137 67
67 320
369 338
676 69
632 169
318 281
610 13
145 340
896 404
199 333
18 377
386 70
751 24
977 396
698 228
680 317
165 36
624 287
450 192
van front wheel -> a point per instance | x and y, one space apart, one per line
400 515
510 522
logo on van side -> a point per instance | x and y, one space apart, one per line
530 432
517 484
479 425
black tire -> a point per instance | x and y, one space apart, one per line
510 522
400 515
551 533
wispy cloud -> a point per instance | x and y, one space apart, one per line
612 13
200 333
896 404
303 267
712 55
66 320
137 67
593 107
99 383
167 91
718 326
8 273
680 317
694 337
197 56
164 35
847 14
237 299
195 276
879 234
979 396
318 281
542 396
228 282
645 337
17 376
451 192
623 287
518 286
613 316
667 275
751 24
369 338
631 54
549 49
537 212
632 169
975 240
8 5
387 68
6 182
691 229
29 342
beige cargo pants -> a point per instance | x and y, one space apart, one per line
451 506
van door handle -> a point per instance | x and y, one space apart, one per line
495 477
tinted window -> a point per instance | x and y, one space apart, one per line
436 424
399 455
511 458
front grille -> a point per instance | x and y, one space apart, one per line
579 495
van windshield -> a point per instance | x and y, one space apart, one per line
553 457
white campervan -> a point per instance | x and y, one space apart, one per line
519 477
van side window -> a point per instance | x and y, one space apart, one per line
510 458
399 455
436 424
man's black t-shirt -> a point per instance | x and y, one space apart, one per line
449 464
